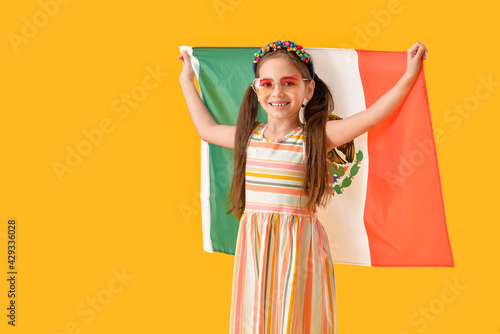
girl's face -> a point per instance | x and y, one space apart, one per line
275 69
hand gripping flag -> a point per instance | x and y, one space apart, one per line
386 206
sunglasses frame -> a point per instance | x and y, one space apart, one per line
274 84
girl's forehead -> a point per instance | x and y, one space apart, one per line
277 67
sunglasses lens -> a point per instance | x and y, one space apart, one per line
290 84
262 86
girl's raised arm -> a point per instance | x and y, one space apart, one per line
342 131
204 122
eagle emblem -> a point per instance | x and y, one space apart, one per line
343 168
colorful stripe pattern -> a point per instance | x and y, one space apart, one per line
283 280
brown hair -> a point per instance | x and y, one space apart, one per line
316 176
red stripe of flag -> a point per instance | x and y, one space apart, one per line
404 211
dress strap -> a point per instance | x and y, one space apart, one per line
258 129
256 132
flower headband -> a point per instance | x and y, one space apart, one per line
288 46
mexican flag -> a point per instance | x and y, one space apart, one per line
386 206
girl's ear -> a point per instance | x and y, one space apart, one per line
310 89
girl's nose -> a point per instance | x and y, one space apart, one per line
277 90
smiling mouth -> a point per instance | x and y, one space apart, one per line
279 104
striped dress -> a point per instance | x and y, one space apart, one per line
283 281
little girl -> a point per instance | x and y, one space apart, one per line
283 279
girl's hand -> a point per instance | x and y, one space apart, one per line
187 73
414 59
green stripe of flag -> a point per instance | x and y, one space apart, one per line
225 74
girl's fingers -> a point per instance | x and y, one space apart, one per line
417 50
184 56
414 49
422 50
415 54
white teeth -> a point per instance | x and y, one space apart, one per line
279 104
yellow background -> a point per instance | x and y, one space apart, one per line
132 204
